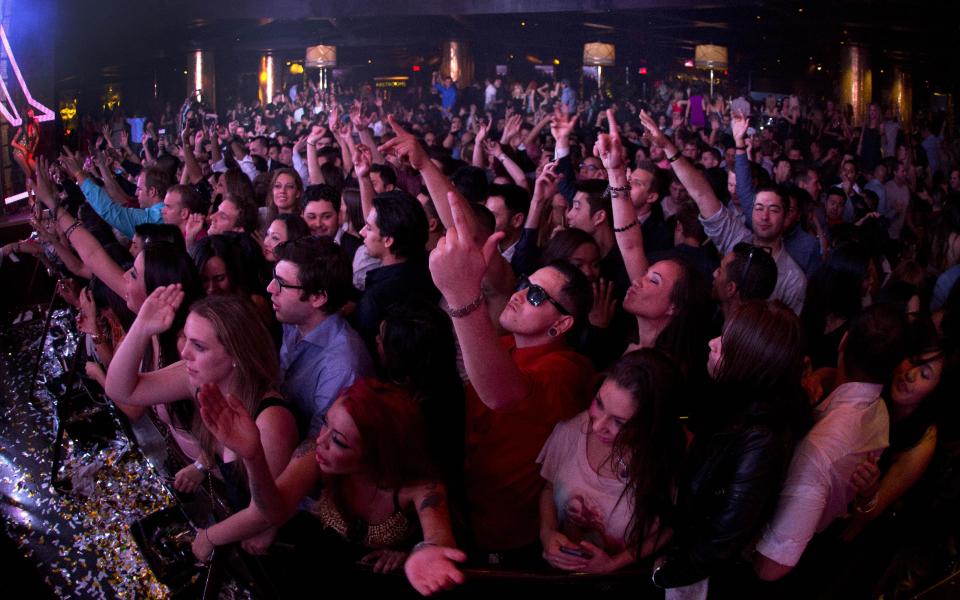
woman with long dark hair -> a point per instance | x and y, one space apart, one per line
743 442
611 471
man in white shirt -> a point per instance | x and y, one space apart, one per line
851 425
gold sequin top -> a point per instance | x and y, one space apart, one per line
390 532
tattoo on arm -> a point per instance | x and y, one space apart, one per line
308 446
433 499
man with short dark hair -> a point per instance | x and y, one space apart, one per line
179 203
509 204
851 424
521 385
152 184
321 354
234 214
747 272
396 234
725 230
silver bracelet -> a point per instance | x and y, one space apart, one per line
200 467
421 545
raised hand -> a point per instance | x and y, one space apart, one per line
194 226
333 118
70 161
458 264
362 160
650 127
316 132
44 185
159 309
229 421
433 569
609 147
492 148
561 126
483 128
511 128
739 124
124 138
198 138
604 304
546 183
404 144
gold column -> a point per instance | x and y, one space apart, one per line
269 82
200 77
901 97
457 62
856 82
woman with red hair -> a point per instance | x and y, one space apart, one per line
377 484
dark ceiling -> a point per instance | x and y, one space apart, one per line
773 38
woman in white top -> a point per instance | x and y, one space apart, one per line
611 470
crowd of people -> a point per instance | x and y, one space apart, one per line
695 336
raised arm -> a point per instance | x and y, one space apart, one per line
275 501
125 383
361 165
313 168
88 248
513 169
458 265
691 178
625 226
192 173
438 186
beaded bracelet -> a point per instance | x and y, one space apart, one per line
71 229
625 228
612 189
674 158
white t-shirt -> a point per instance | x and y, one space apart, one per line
490 95
589 506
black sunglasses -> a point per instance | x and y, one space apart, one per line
536 295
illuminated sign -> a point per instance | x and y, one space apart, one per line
9 110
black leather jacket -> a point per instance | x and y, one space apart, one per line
730 494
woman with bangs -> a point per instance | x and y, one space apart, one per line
743 440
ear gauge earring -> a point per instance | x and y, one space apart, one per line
552 332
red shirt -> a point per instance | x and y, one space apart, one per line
503 480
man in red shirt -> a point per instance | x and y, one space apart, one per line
521 385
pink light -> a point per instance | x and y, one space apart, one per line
45 114
688 64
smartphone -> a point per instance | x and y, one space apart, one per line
163 132
575 552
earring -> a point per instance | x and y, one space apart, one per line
552 332
234 364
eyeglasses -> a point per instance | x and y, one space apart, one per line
589 166
536 295
284 285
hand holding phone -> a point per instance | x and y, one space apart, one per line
579 552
